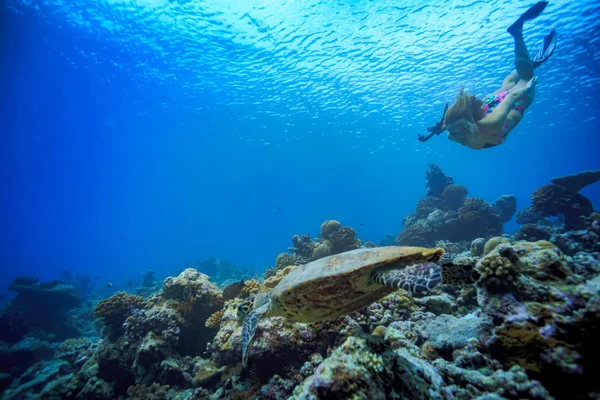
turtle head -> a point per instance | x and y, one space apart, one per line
245 307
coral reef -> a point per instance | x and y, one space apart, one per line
43 308
527 328
445 213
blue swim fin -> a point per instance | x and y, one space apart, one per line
534 11
545 50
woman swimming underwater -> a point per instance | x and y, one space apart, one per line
481 124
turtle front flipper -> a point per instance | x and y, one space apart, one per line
418 278
249 328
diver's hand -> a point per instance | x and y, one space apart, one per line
525 90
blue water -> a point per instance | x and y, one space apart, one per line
148 134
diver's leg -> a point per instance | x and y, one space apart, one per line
523 62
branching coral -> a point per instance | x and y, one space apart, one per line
499 269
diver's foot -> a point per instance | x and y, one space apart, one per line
545 50
530 14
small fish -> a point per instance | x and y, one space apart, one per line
232 291
278 207
361 224
129 283
109 284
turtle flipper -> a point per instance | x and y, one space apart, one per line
419 278
245 308
459 275
249 328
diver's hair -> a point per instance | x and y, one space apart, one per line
466 106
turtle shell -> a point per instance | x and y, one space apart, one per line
340 284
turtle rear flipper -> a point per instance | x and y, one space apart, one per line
459 275
249 328
419 278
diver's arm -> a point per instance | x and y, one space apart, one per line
498 116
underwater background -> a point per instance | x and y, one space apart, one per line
158 134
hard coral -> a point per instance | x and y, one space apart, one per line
418 234
284 259
528 216
115 310
328 227
492 243
252 287
576 182
322 250
214 321
344 239
533 232
40 307
551 200
363 369
274 280
427 205
506 206
478 219
454 196
303 245
499 269
437 181
143 392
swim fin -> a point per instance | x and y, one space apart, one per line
532 13
545 50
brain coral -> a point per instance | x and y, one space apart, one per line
328 227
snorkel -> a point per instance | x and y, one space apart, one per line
436 129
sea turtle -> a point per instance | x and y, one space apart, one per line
337 285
